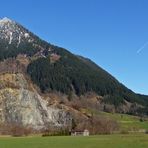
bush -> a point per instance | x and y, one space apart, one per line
141 120
98 125
15 130
18 131
60 132
124 131
146 131
104 126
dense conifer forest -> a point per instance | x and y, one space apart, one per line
80 75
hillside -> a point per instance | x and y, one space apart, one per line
73 74
53 82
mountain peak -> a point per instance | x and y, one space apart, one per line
5 20
10 31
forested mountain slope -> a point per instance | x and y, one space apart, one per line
55 69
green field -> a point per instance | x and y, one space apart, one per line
101 141
127 122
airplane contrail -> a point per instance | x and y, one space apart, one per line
140 49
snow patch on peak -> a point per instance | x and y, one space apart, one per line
5 20
26 35
11 37
12 32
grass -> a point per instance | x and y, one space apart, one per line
101 141
125 121
135 140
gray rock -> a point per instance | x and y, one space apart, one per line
26 107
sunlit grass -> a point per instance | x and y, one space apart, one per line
101 141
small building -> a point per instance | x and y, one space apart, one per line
80 133
86 132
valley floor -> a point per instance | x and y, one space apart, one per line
101 141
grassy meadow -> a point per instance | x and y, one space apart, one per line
128 140
127 122
101 141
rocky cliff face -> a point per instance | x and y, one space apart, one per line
12 32
21 104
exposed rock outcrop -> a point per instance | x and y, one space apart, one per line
19 104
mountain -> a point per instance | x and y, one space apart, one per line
42 84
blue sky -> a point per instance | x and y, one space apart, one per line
110 32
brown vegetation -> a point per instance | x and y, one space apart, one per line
98 125
11 66
15 130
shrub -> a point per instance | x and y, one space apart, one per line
15 130
59 132
98 125
124 131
